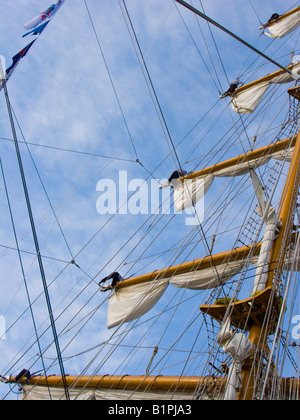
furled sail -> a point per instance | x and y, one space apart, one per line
240 348
283 25
207 278
192 188
134 297
247 98
271 233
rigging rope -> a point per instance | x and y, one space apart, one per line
35 238
22 267
110 78
193 9
143 61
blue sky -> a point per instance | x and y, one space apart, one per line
69 115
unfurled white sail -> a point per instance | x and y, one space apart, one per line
284 25
189 191
129 303
247 98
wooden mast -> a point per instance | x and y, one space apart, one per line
258 333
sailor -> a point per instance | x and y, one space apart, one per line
175 175
116 278
232 87
275 16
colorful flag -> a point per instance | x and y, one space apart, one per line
18 57
38 30
47 14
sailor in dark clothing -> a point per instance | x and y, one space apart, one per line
175 175
275 16
116 278
232 87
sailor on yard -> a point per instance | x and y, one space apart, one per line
232 87
116 278
175 175
275 17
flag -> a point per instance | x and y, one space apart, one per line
18 57
47 14
38 30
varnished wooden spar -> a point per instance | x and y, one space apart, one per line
266 78
183 385
127 383
246 157
237 254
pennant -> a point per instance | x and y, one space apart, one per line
18 57
38 30
47 14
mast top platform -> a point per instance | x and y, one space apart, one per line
295 92
248 312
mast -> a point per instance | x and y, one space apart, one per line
258 334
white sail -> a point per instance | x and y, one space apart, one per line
284 25
247 98
240 348
207 278
129 303
271 232
190 191
42 393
